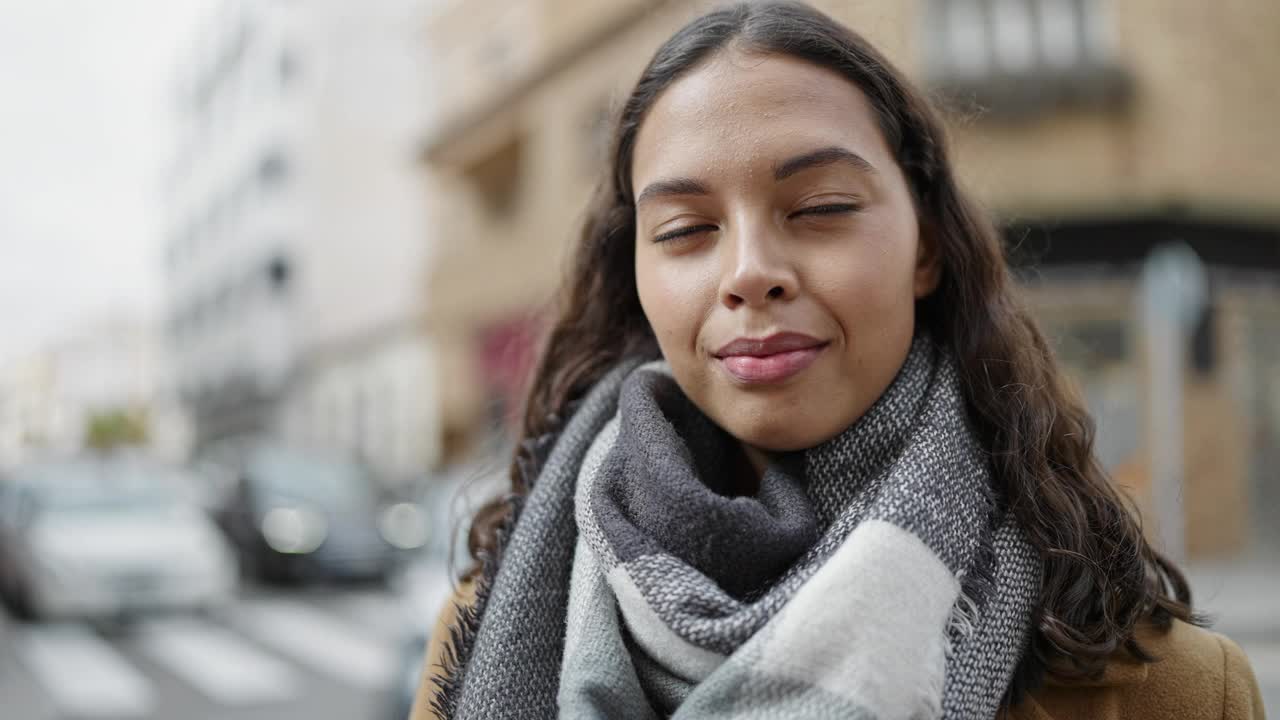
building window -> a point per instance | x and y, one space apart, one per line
175 326
1203 349
221 305
962 38
287 67
173 252
1095 349
1090 344
596 136
196 314
1059 33
278 273
1022 56
1013 36
273 168
495 177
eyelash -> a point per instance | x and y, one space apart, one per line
683 232
831 209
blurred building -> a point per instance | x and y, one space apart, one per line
298 249
115 366
1093 129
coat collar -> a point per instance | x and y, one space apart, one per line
1123 668
1120 671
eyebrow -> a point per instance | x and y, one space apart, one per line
672 187
819 158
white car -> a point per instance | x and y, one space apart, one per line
92 537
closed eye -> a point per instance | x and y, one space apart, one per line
683 232
832 209
829 209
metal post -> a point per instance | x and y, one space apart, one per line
1174 291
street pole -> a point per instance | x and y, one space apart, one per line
1174 290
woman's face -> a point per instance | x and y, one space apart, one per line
778 257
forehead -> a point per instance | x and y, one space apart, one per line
742 111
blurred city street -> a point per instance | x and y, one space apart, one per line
276 275
277 653
1242 598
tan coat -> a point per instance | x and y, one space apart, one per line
1201 676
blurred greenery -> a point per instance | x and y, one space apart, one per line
116 428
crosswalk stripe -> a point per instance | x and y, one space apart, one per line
318 641
216 662
83 675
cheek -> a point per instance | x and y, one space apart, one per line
674 296
870 285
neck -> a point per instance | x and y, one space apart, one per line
753 469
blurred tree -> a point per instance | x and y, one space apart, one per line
116 428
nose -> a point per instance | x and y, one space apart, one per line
756 269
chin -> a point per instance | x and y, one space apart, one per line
782 434
784 421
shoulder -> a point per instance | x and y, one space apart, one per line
439 647
1197 668
1198 674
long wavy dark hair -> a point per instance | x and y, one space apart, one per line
1101 576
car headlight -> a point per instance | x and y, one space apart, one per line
295 531
403 525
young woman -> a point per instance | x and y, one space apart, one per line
795 449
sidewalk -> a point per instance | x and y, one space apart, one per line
1242 598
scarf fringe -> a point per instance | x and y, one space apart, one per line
466 625
977 586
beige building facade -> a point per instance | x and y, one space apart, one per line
1096 130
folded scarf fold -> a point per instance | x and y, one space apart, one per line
875 575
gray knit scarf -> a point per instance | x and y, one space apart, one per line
873 576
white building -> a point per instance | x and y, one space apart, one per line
30 423
297 249
114 364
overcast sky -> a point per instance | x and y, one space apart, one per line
84 126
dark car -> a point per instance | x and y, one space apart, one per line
299 515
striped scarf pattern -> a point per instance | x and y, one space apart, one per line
873 576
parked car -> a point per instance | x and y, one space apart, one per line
449 498
299 515
104 537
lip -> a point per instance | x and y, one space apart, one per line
771 359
